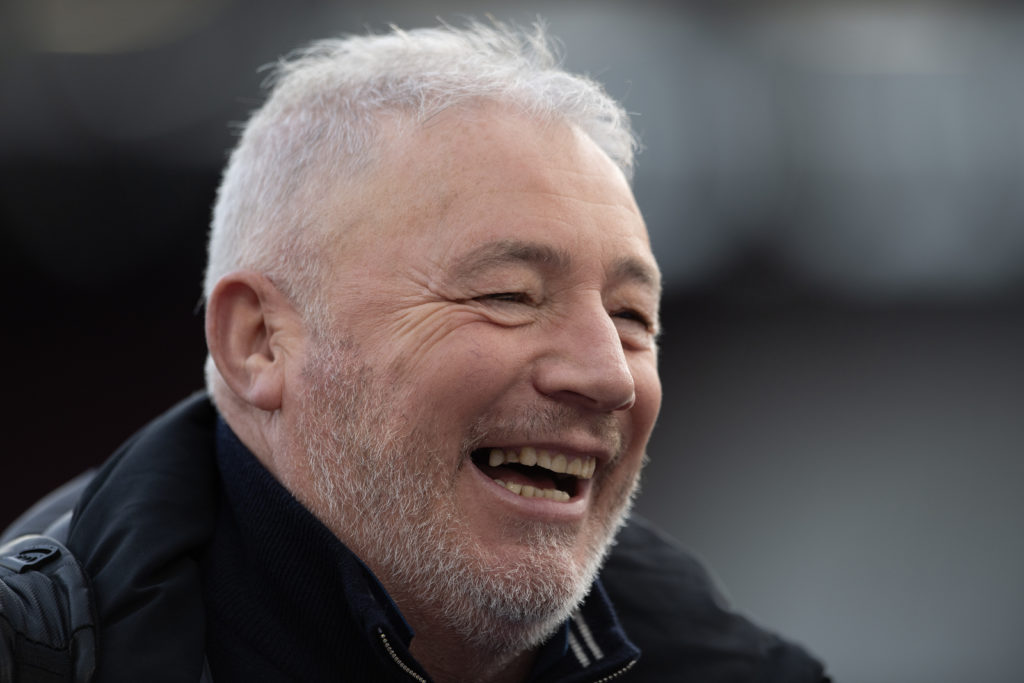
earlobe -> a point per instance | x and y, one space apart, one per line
247 330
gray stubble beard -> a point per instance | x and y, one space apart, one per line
378 488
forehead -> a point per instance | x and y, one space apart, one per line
477 182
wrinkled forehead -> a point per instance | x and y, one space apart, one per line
469 176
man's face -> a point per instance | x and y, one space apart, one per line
496 303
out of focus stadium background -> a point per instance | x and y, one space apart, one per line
835 191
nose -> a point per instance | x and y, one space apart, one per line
585 365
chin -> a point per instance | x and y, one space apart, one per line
514 601
514 605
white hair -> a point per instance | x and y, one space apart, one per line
323 116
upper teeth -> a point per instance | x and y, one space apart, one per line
582 467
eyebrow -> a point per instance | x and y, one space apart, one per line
628 268
510 252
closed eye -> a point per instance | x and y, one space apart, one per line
507 297
635 316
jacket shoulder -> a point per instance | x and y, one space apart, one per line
124 564
670 607
139 530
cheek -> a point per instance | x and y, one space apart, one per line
464 378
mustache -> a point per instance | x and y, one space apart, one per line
546 422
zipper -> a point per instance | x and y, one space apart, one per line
398 660
415 676
629 665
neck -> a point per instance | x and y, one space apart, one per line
450 654
449 659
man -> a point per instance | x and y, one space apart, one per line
431 312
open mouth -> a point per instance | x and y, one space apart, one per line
535 473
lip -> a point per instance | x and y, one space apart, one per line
539 509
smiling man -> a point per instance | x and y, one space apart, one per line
432 312
498 328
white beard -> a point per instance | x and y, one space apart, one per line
388 494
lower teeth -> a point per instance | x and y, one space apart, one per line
527 491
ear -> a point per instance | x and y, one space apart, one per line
251 331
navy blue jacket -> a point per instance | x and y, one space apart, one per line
142 526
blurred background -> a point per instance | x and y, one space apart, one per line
835 191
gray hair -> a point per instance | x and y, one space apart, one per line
324 112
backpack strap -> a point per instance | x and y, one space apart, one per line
47 618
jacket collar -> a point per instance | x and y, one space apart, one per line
144 527
309 570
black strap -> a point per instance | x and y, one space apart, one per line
47 620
